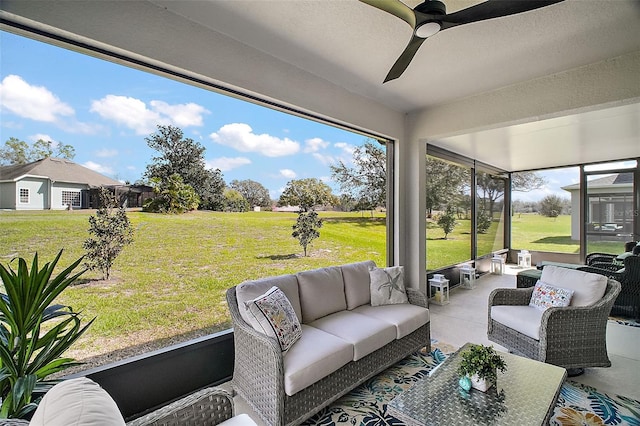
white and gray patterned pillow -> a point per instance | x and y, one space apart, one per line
387 286
276 318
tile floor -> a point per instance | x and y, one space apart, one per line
464 319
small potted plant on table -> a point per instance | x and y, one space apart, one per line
479 365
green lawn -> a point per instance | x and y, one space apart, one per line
169 284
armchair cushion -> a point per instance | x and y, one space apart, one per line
522 318
76 402
587 288
239 420
545 296
276 318
406 318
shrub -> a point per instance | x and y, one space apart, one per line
306 228
483 222
447 221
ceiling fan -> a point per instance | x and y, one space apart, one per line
430 17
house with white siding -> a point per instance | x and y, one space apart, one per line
50 183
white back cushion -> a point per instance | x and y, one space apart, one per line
77 402
356 283
249 290
321 293
587 288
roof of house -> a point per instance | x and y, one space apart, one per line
606 181
58 170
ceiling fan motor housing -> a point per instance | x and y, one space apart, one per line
431 7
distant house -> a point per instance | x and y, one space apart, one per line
51 183
610 206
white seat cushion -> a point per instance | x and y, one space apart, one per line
316 355
523 318
405 317
365 333
356 283
77 402
587 288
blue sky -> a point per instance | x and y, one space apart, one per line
105 111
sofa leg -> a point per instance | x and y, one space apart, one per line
573 372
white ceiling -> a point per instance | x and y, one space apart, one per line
347 47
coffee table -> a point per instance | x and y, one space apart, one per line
525 394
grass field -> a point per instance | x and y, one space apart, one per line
169 284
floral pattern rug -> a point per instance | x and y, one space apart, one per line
366 405
625 321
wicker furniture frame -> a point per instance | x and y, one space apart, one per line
628 301
206 407
258 374
571 337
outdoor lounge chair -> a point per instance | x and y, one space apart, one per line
572 337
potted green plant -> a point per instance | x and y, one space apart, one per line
480 364
34 332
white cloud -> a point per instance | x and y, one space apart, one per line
347 148
44 137
106 170
225 163
325 159
136 115
288 173
241 137
315 145
105 153
30 101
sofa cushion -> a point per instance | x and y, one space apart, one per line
276 317
405 317
77 402
545 296
321 293
587 288
316 355
249 290
365 333
356 283
387 286
239 420
522 318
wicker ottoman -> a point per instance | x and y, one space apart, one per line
528 278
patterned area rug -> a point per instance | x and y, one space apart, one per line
367 404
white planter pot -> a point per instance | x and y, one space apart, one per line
480 384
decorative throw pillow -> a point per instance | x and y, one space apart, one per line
387 286
546 296
276 318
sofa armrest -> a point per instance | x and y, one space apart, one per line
208 406
416 297
14 422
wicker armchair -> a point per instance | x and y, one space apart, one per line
628 301
206 407
570 337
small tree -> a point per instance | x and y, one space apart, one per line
551 206
447 221
234 201
111 231
172 196
306 228
483 221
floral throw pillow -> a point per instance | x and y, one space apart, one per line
276 318
387 286
546 296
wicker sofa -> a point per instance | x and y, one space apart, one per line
344 341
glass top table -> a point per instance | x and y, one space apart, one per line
525 394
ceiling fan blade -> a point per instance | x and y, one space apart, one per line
493 9
396 8
405 58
